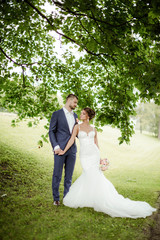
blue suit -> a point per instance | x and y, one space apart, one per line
59 134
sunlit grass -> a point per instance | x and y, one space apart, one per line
26 197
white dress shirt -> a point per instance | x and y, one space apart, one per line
70 120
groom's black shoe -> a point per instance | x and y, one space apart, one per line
56 203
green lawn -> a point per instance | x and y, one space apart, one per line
27 211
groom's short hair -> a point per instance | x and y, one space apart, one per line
71 96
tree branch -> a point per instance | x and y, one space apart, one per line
10 58
49 22
65 36
60 5
88 32
19 64
97 23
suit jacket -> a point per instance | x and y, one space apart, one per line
59 132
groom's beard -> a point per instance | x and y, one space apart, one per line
72 107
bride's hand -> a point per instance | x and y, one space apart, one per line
61 152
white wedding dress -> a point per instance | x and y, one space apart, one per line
92 189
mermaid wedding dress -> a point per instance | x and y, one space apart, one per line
93 190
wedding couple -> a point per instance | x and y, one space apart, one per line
91 189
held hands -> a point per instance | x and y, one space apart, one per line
57 151
61 152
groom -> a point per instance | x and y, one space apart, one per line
60 130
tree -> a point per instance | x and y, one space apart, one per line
119 62
148 116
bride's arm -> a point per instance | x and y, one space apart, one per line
71 140
96 142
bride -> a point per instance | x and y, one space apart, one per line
92 189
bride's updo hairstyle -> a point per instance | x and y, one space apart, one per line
91 113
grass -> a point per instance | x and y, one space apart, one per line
27 211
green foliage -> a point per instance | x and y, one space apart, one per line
118 43
40 143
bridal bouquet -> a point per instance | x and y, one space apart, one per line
104 163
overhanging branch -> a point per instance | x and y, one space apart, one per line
10 58
63 35
18 64
77 13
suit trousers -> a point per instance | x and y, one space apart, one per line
68 161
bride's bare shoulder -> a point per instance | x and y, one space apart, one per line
77 127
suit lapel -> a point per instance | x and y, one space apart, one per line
75 117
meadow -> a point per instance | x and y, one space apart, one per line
27 210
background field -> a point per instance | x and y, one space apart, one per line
27 211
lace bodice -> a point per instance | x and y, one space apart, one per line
86 138
89 152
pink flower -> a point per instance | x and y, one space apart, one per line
104 164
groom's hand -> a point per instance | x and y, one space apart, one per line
61 152
57 151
